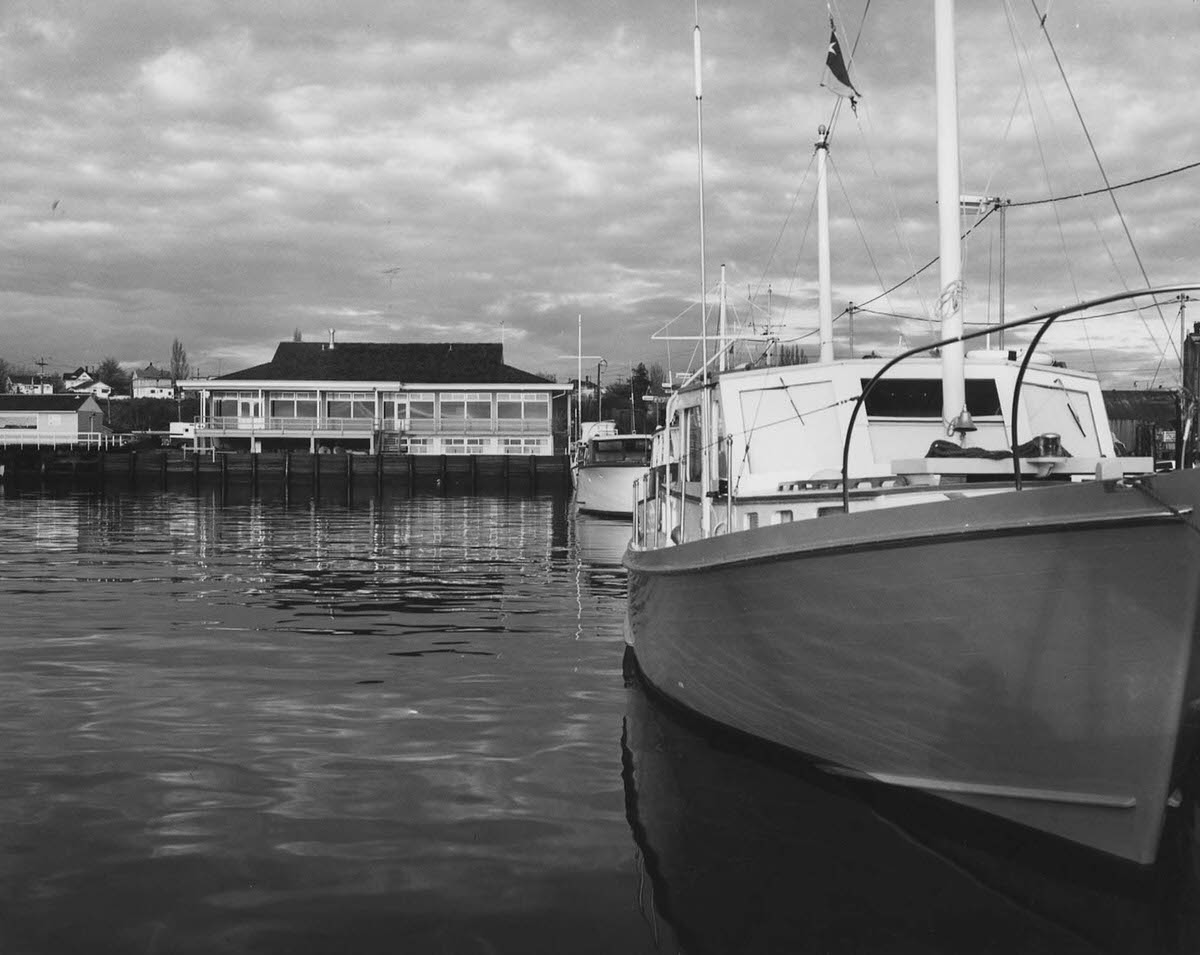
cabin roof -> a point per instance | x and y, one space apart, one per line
435 363
1152 405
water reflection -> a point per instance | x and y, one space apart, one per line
752 852
282 727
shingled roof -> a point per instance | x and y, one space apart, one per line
44 402
440 363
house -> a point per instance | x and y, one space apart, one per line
151 382
80 382
444 398
41 420
29 385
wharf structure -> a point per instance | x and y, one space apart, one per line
448 398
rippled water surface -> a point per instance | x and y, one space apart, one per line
234 724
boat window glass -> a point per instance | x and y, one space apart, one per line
695 444
922 398
1058 409
751 520
453 406
783 517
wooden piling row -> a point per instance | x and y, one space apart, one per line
295 471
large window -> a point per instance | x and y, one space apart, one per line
233 404
295 404
349 404
512 407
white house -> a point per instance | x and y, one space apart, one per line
443 398
29 385
151 382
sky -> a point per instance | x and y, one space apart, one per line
229 174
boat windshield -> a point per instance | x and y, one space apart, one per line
626 450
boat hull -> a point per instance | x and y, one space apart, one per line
1025 654
606 489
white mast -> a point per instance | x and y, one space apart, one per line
579 383
723 327
825 291
949 225
703 451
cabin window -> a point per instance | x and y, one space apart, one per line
922 398
783 517
751 520
695 445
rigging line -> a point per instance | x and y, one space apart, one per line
1099 165
924 268
786 220
857 223
1103 189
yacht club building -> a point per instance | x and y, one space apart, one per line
416 398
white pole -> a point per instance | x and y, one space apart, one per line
949 224
705 522
722 327
825 282
579 384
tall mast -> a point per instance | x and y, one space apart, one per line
579 383
723 327
703 450
700 173
825 291
949 225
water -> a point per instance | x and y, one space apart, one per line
242 724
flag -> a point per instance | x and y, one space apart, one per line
836 65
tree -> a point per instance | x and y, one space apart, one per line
112 374
179 361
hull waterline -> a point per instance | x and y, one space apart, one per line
1029 655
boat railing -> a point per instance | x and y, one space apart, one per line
1045 318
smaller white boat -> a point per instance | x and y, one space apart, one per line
605 466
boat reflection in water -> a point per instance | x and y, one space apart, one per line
747 849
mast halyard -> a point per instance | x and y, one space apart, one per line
950 298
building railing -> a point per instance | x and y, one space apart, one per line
364 426
29 437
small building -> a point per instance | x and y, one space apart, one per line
151 382
417 398
48 420
1144 422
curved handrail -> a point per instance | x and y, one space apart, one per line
1048 317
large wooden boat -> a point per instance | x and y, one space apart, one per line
936 574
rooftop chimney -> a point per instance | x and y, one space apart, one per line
331 335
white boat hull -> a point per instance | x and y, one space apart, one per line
606 489
1026 654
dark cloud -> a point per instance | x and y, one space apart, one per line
227 172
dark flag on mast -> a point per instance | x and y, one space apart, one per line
840 76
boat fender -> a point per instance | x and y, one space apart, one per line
675 534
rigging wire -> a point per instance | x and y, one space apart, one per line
1099 165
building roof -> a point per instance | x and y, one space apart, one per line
45 402
151 372
439 363
1159 405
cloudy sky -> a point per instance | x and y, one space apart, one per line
227 172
